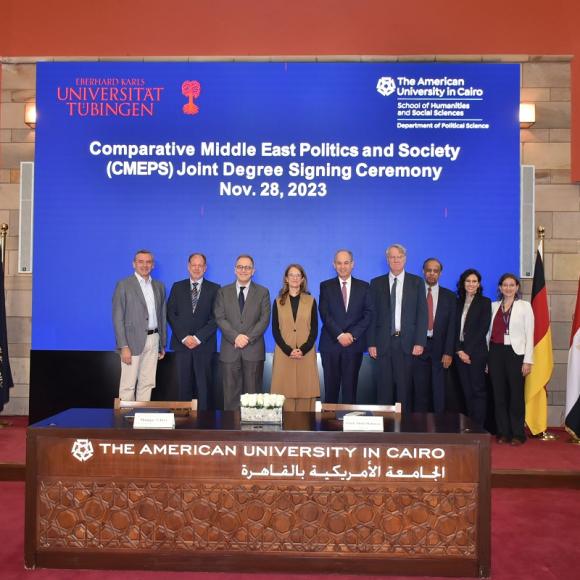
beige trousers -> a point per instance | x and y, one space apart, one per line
138 378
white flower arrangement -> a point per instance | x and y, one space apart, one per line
261 408
262 400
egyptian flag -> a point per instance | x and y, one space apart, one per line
535 389
573 382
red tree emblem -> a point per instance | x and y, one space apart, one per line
190 89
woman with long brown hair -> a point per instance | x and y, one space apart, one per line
511 349
295 328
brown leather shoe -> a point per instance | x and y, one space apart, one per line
502 440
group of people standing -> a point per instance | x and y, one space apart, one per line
414 329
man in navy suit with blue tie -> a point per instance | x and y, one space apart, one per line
398 331
190 314
429 367
346 311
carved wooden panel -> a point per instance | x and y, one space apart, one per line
397 520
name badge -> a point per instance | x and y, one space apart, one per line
507 339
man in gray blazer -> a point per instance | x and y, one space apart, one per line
242 312
139 322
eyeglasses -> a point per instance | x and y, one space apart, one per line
244 268
294 275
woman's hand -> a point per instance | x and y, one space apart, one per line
526 369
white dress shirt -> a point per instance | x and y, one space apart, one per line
247 287
399 296
147 289
199 283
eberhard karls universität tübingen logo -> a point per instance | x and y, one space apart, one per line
386 86
191 90
82 450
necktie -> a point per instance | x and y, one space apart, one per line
241 298
393 306
194 296
344 296
430 309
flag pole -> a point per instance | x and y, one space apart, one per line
544 435
3 234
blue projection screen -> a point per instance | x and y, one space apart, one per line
286 161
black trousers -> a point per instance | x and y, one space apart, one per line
195 379
395 376
472 379
507 382
341 368
428 382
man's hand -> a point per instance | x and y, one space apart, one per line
345 339
161 354
373 351
417 350
190 342
464 357
126 355
446 361
241 341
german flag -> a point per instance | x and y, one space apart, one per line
535 390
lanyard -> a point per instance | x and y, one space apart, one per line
506 316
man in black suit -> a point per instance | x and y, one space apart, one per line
346 310
398 331
190 315
429 367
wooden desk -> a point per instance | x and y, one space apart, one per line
215 495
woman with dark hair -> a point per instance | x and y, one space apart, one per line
511 348
473 318
295 328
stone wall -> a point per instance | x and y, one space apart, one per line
18 86
547 146
545 81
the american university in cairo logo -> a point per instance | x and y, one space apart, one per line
386 86
191 90
82 450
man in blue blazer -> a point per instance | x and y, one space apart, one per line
429 367
398 331
345 309
190 315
